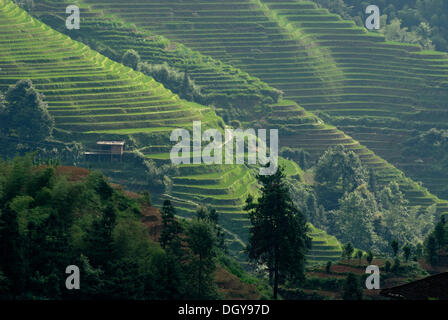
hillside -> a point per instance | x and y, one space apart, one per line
299 128
360 89
67 226
101 99
98 99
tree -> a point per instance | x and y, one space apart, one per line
201 240
419 250
167 279
387 266
100 241
169 238
202 213
328 267
440 234
11 250
395 247
131 59
338 171
396 266
178 82
348 250
359 255
26 112
402 222
407 252
278 236
373 184
186 87
213 217
395 32
431 250
352 288
369 257
354 219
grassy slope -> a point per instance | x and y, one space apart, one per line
102 99
262 38
106 33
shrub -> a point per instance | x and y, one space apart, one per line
396 266
178 82
131 59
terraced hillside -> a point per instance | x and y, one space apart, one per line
255 37
229 87
389 91
93 97
98 96
376 91
325 248
90 96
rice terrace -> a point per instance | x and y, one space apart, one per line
223 150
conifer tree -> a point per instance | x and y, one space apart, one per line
278 233
169 238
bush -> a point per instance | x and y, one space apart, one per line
131 59
396 266
299 155
178 82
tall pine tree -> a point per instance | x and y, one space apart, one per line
169 238
279 233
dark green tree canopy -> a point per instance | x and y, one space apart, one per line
170 236
279 232
131 59
338 171
352 288
26 114
201 239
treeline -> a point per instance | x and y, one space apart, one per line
48 223
180 83
51 219
422 22
347 201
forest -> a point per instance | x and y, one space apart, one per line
90 116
